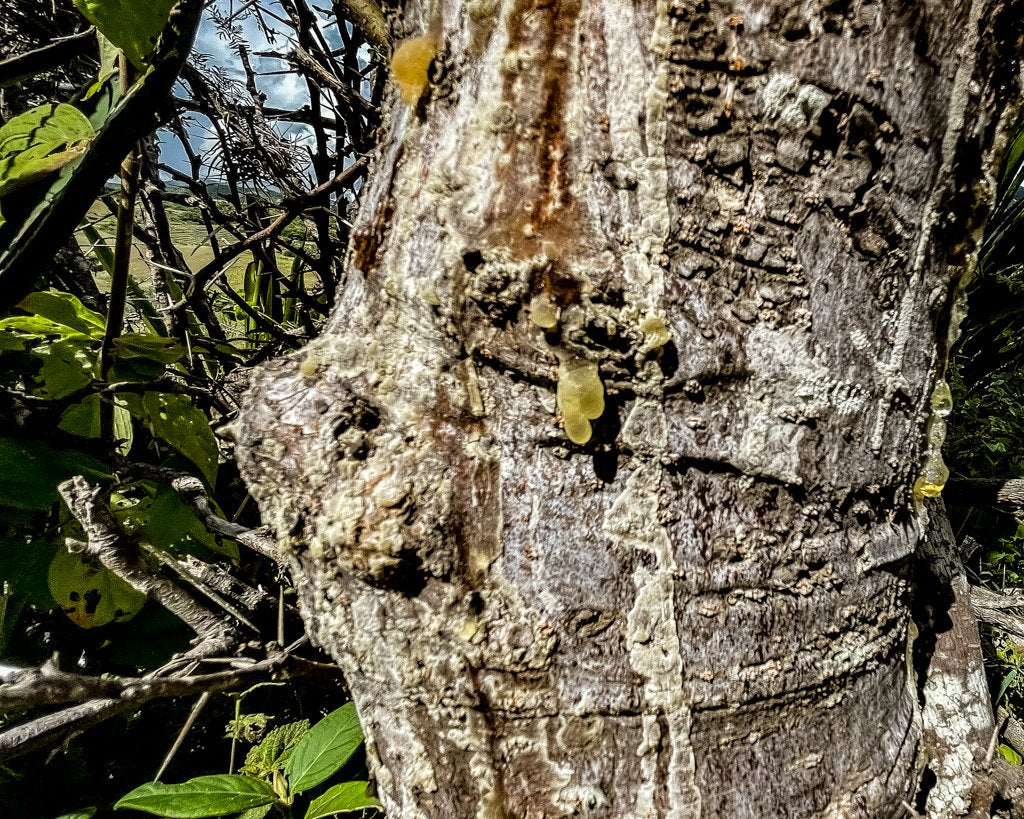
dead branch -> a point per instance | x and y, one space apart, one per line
114 548
37 687
995 493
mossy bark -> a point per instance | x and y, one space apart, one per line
702 610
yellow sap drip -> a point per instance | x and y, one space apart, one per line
934 474
543 311
942 399
409 66
656 334
580 397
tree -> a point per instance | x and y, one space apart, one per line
726 244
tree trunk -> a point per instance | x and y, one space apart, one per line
753 218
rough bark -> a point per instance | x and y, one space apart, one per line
703 610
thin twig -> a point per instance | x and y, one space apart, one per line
112 546
192 716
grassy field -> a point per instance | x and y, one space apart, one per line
187 232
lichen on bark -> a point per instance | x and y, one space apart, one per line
701 610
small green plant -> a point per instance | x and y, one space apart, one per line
289 762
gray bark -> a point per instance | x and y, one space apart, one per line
703 610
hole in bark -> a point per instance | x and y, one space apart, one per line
669 361
405 577
476 603
606 464
472 259
928 780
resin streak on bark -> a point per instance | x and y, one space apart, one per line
701 611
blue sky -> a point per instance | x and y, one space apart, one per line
284 90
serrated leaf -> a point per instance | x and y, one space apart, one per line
275 749
32 470
324 749
63 308
215 795
130 25
39 142
89 594
344 798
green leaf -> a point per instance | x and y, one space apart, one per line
172 526
275 749
39 142
11 607
255 813
148 346
84 813
32 471
63 308
176 420
323 750
24 566
343 798
1010 755
89 594
38 327
83 419
215 795
1008 680
67 368
131 25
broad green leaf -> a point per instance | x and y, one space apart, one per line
67 368
84 813
11 607
83 419
108 64
63 308
124 429
255 813
32 471
89 594
179 422
131 25
272 753
136 370
148 346
216 795
343 798
1010 755
38 327
172 526
24 567
323 750
39 142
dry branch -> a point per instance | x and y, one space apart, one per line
113 547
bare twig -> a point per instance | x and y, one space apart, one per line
1004 609
193 493
130 692
192 716
368 16
113 547
1005 495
